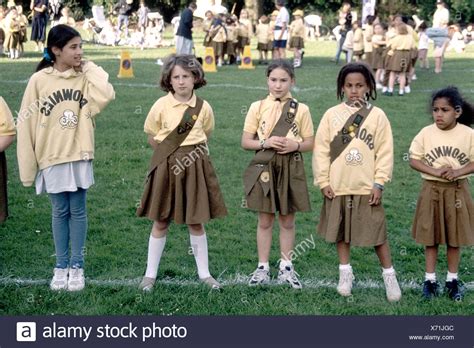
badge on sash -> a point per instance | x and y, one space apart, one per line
195 117
265 177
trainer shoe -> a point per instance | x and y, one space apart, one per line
76 280
59 281
346 278
147 284
414 77
455 290
259 277
430 289
407 89
392 288
288 275
211 282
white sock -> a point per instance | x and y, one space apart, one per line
384 89
430 276
284 263
390 90
199 245
265 265
155 250
346 267
389 270
451 276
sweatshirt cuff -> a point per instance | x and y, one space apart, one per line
380 181
27 183
321 184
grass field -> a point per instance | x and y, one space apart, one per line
117 240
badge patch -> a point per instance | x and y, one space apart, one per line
265 177
68 119
354 157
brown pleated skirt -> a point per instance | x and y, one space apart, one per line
3 188
377 58
368 58
218 48
351 219
230 48
184 189
297 42
264 46
242 41
444 214
288 189
400 61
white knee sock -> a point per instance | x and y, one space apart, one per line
155 250
430 276
451 276
199 245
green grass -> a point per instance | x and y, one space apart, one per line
117 240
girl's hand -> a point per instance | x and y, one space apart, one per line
328 192
80 68
289 145
451 174
275 142
441 172
375 196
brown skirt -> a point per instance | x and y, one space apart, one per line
218 48
184 189
351 219
264 46
358 53
242 41
288 189
400 61
3 188
377 58
368 58
230 48
297 42
444 214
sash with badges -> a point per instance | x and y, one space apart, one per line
174 140
348 132
258 167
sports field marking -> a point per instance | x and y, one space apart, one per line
231 85
238 279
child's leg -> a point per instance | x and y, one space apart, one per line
344 252
287 235
431 256
77 227
156 245
437 64
392 288
264 236
346 277
403 80
391 81
60 225
198 241
383 253
454 256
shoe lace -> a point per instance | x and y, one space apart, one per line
259 274
75 273
291 275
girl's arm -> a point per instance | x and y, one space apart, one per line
6 141
421 167
321 159
152 142
100 91
453 174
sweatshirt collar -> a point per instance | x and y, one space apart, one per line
283 99
174 102
64 74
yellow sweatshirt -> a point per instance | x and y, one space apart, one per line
7 125
358 40
56 121
367 160
297 28
368 33
263 33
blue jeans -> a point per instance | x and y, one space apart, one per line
69 219
339 47
123 20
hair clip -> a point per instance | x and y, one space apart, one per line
46 55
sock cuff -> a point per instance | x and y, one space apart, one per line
388 270
345 267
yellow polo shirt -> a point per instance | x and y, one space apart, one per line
166 114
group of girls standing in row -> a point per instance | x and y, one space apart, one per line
352 162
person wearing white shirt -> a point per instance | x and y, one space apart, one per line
441 14
280 32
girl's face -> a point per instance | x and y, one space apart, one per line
182 82
355 87
378 29
69 56
279 82
444 114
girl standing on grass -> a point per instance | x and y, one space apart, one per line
278 128
7 135
352 161
56 143
444 155
178 127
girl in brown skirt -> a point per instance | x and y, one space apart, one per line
297 31
352 161
444 155
7 135
278 128
400 58
181 184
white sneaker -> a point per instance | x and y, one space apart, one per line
288 275
392 288
413 78
59 281
76 280
407 89
384 89
346 278
261 276
378 86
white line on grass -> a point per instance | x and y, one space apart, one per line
238 279
231 85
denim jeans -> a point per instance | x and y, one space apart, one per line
339 47
69 220
123 20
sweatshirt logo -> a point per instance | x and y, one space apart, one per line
354 157
65 94
68 120
445 151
